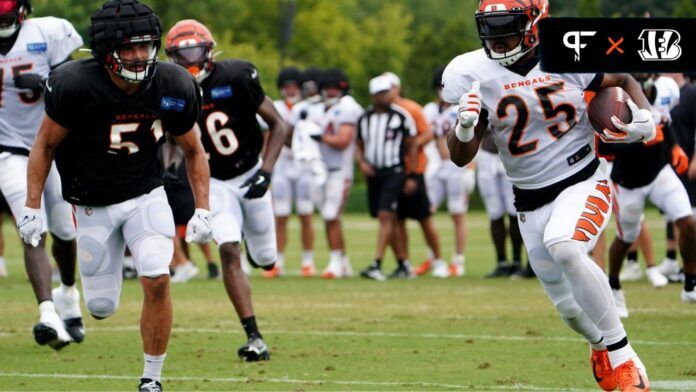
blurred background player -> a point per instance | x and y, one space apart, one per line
337 146
29 49
4 210
496 192
414 205
386 139
456 185
240 204
288 184
684 126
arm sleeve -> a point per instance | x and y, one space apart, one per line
62 41
178 123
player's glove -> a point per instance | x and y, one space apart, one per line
469 111
200 228
680 162
30 81
641 129
469 179
258 184
30 225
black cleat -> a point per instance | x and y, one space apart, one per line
44 334
500 271
75 329
402 271
129 273
213 271
373 272
254 350
148 385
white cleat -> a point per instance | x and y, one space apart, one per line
631 272
184 272
51 331
688 297
440 269
334 270
3 268
347 267
620 303
656 278
67 304
670 269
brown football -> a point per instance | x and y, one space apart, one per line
609 102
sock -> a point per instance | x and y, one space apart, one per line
307 257
68 290
153 366
377 263
689 282
335 256
431 255
403 263
280 261
599 346
621 352
46 306
672 254
459 259
614 283
632 256
249 325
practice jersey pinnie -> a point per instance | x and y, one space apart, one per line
110 153
538 121
346 111
41 43
232 95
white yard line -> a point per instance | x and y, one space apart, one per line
223 330
289 381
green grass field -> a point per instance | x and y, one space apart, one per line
423 334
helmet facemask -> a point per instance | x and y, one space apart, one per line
197 59
11 17
507 36
134 71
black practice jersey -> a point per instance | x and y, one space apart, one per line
231 135
110 153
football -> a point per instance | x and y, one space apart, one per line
606 103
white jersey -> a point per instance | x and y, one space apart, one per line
432 111
538 121
285 113
41 44
667 97
446 120
346 111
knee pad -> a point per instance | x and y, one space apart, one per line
91 254
566 252
153 256
101 307
161 219
544 267
257 216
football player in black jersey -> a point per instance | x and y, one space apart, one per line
105 119
240 203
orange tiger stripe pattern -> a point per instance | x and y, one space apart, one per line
596 209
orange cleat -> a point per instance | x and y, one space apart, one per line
273 273
424 268
631 378
601 370
308 271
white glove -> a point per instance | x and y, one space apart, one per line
469 179
200 228
641 129
30 225
469 111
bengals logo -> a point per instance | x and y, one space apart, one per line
593 217
660 45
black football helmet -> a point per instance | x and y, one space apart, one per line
288 75
124 22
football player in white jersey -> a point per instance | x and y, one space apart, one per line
29 50
338 122
539 122
289 185
643 171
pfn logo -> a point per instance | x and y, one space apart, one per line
573 40
660 45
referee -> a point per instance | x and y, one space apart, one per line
386 136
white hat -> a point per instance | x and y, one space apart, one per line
379 84
393 79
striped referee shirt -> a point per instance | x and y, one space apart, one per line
384 136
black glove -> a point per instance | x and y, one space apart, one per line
258 184
30 81
171 180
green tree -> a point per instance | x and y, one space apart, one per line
590 8
685 9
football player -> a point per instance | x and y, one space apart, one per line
642 171
29 49
240 204
105 118
540 126
289 184
338 123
